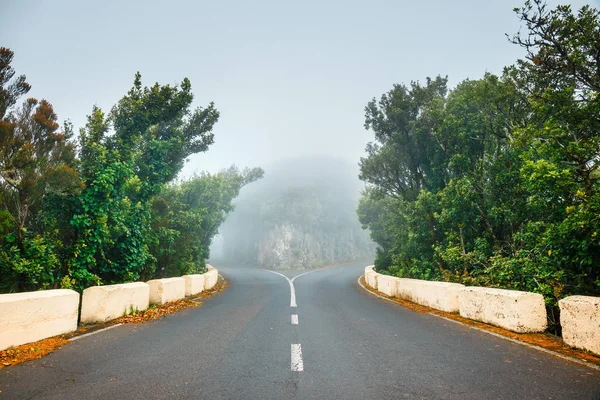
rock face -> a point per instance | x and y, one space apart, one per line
301 215
288 246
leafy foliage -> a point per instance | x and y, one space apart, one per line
495 182
154 132
109 215
37 164
187 216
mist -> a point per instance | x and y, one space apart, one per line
289 79
301 215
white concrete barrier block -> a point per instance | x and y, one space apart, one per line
166 290
194 284
516 311
32 316
103 303
371 277
439 295
387 284
211 276
580 321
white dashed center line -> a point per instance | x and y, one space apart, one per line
297 364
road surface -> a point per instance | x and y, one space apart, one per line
344 343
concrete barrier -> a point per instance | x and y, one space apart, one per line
516 311
31 316
103 303
580 321
210 277
439 295
371 276
194 284
387 284
165 290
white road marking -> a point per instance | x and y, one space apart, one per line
93 333
291 282
532 346
307 272
292 289
294 319
297 364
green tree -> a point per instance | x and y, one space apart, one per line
37 163
405 157
406 163
154 132
561 74
10 89
516 202
186 217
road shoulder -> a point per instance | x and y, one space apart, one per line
544 342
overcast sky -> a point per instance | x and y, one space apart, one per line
289 78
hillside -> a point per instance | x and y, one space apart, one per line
301 215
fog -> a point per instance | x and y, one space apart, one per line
290 79
302 214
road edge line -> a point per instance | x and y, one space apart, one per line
531 346
93 333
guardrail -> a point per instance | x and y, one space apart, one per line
103 303
580 321
31 316
513 310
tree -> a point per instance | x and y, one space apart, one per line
154 133
407 162
187 216
111 215
500 177
37 162
10 90
404 158
561 74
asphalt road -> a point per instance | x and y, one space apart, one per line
351 345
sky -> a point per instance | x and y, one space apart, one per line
290 79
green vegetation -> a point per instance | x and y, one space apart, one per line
495 182
103 209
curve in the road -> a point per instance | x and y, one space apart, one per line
353 346
538 348
297 363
